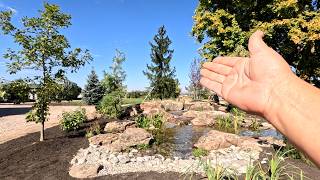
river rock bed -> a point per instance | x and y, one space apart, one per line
105 162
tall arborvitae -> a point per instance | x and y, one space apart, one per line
161 76
93 91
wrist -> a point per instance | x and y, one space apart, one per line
279 96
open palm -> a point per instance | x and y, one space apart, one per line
247 82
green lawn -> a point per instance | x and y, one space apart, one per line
132 101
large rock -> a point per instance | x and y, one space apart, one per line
214 140
103 139
167 116
150 105
171 105
203 121
201 106
203 118
93 115
84 170
134 136
118 126
121 141
185 99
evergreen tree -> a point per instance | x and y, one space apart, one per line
114 81
93 91
162 78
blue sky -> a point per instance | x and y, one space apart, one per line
129 25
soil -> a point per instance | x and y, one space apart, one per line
13 123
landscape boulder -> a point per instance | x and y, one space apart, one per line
135 136
171 105
203 121
203 118
118 126
83 171
103 139
121 141
146 107
214 140
201 106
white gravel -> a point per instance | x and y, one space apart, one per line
232 158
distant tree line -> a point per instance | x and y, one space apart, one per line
20 91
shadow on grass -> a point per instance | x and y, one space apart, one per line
14 111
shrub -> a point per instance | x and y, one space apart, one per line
290 151
146 122
72 121
232 122
94 129
143 146
110 105
276 169
218 172
255 125
224 122
198 152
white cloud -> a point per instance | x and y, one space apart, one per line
12 9
2 6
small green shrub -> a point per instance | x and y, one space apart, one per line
218 172
255 125
224 123
94 129
89 134
143 146
198 152
276 169
290 151
146 122
72 121
110 105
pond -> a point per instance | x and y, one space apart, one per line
178 141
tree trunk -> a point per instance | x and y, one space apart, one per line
42 131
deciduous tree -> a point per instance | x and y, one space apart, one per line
292 28
17 91
44 50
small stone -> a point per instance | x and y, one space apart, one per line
147 158
123 159
134 151
130 155
176 158
114 160
159 156
133 159
82 160
263 162
140 159
168 160
74 161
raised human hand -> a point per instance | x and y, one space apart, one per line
247 82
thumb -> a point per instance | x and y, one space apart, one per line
256 43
